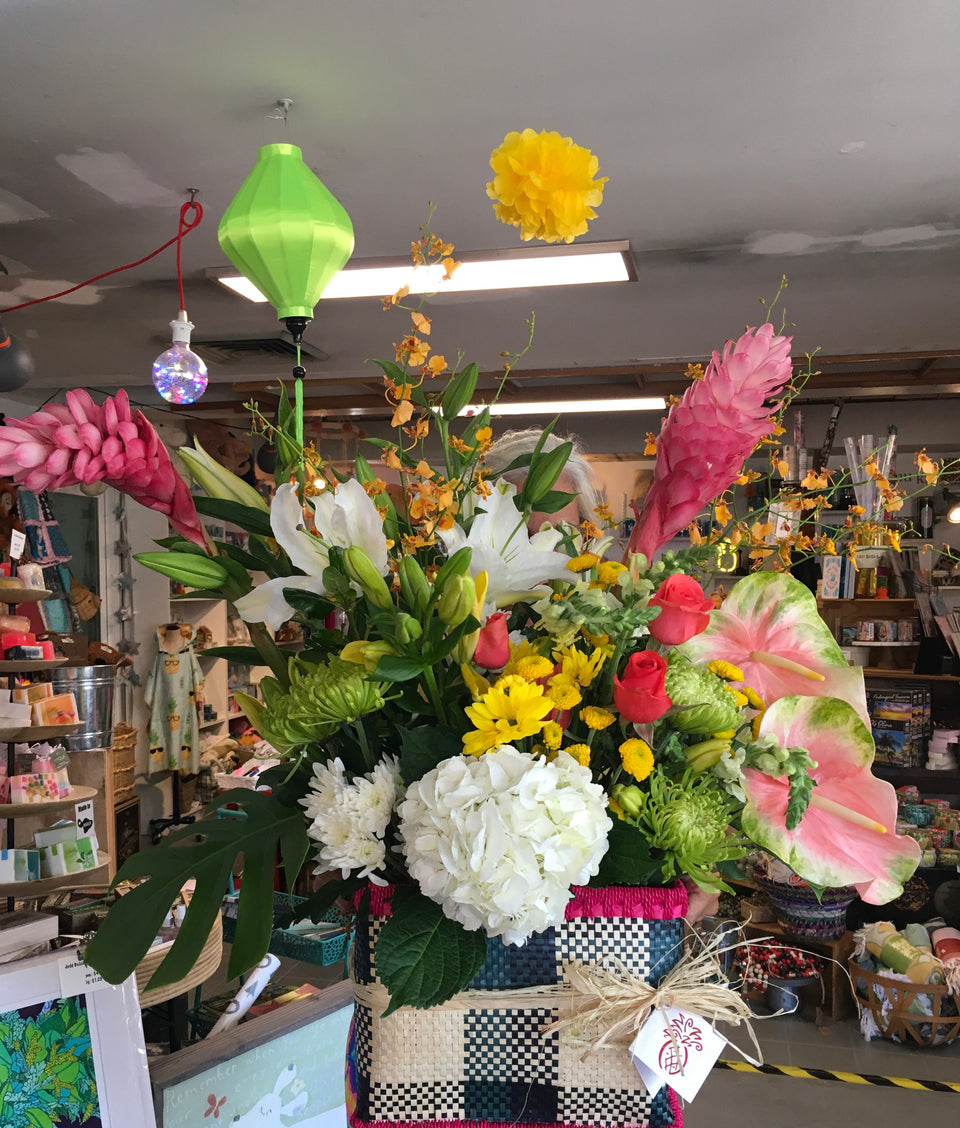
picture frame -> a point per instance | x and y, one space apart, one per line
284 1069
93 1035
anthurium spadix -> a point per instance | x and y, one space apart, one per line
343 517
769 627
848 834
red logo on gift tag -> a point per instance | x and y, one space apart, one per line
681 1036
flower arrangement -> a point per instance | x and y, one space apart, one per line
491 716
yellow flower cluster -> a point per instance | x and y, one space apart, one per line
545 185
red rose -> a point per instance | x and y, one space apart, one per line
493 645
684 610
640 695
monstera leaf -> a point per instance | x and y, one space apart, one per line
207 852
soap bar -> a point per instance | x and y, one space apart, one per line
34 788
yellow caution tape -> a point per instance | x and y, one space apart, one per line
841 1075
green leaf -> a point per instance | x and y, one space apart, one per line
37 1118
421 749
397 669
253 520
206 851
544 471
337 585
242 655
321 902
459 392
628 860
423 957
394 371
554 500
308 603
249 562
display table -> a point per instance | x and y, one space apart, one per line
838 997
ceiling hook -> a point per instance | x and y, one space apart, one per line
194 192
281 110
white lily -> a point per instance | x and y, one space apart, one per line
342 517
216 480
513 560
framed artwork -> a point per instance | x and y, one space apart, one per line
71 1047
284 1069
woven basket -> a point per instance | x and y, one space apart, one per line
124 738
207 963
322 951
802 914
890 1002
476 1066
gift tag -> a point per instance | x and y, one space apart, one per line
676 1049
76 978
17 544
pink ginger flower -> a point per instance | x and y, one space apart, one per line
80 443
706 437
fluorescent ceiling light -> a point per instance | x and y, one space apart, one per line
567 407
495 270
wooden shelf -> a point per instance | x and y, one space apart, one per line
24 595
26 810
865 642
881 672
924 778
872 601
20 734
29 665
25 890
213 723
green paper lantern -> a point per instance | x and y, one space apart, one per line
286 232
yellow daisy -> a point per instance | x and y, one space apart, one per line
579 667
512 710
522 650
596 718
637 757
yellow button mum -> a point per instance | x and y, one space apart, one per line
544 184
584 562
533 667
726 670
596 718
637 758
552 735
610 571
511 710
581 753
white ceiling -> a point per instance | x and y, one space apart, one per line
727 128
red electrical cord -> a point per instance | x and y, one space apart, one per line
184 227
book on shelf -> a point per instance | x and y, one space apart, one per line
900 721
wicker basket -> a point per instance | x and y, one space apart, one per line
896 1021
207 963
757 910
800 911
322 951
124 762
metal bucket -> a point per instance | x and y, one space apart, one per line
93 687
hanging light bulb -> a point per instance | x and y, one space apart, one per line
179 375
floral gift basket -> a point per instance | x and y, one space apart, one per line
520 757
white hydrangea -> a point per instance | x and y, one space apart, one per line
498 840
350 819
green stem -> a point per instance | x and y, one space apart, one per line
270 652
435 697
369 760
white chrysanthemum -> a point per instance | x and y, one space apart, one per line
349 820
498 840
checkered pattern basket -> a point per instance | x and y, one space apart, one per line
489 1067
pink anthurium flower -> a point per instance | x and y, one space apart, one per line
848 834
769 627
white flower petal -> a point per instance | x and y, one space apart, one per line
266 603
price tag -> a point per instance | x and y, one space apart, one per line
83 814
76 978
17 544
677 1049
